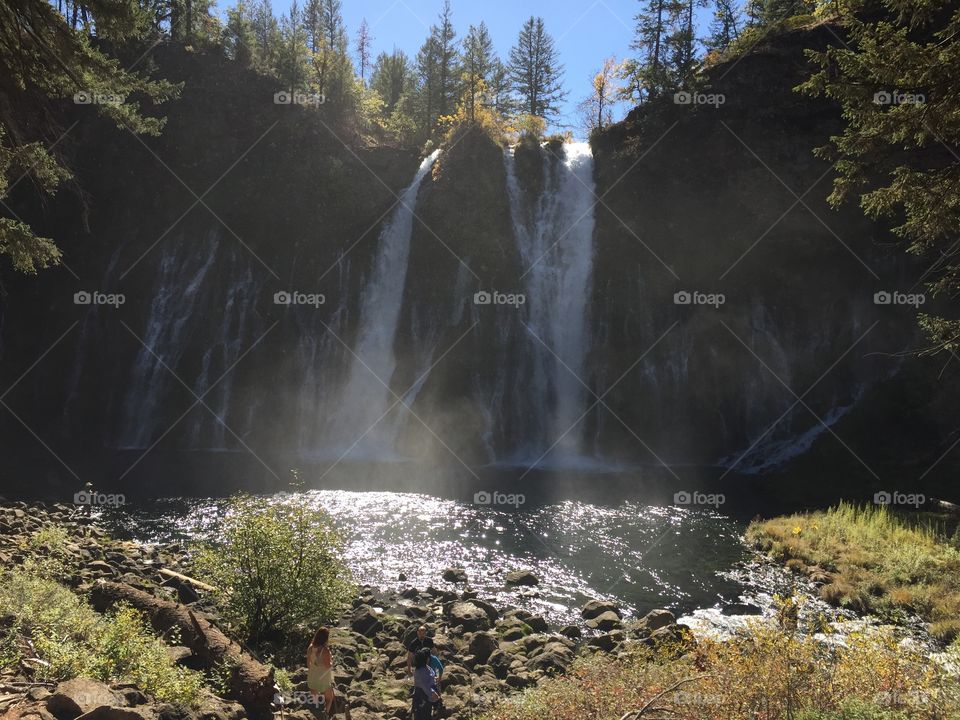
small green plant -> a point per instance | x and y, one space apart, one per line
277 566
73 640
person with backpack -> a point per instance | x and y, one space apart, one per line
426 694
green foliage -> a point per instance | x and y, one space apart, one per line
895 81
878 562
74 641
277 566
535 70
45 58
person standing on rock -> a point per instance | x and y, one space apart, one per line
320 669
420 642
426 695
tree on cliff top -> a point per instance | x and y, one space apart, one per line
536 71
44 59
899 154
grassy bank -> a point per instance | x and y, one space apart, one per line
872 560
768 673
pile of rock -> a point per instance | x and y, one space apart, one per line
489 652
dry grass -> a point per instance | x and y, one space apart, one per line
873 560
765 674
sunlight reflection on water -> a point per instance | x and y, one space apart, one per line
642 556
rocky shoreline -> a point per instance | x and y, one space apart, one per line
489 651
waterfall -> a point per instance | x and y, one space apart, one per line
554 233
364 399
180 280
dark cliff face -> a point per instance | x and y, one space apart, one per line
238 200
729 198
796 371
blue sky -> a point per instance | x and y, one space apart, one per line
586 31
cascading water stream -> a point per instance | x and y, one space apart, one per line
360 428
554 233
180 281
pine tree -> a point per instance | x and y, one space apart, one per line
500 89
477 61
46 58
364 42
536 72
895 156
437 72
266 30
725 26
292 68
239 41
391 78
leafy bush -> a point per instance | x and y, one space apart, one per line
278 565
73 640
766 673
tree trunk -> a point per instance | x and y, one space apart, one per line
251 683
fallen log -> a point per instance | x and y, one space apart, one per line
187 579
251 683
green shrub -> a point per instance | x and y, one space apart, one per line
73 640
277 566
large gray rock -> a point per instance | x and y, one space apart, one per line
605 621
455 575
656 619
468 616
105 712
521 577
73 698
365 621
482 646
593 608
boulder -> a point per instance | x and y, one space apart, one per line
468 616
607 642
106 712
571 631
594 608
521 577
455 575
550 662
365 621
500 663
656 619
482 645
605 621
73 698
